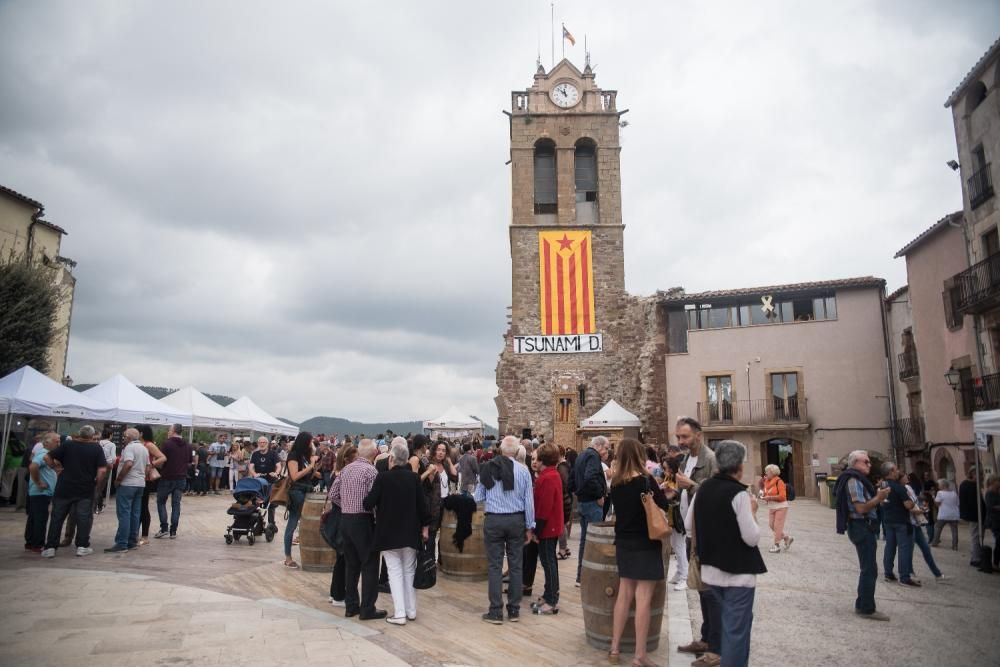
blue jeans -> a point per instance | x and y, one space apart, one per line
175 489
921 541
864 540
128 505
737 619
898 536
296 499
590 512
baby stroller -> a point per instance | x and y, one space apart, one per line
248 512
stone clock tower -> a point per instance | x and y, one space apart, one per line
573 343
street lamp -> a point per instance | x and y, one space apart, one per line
952 377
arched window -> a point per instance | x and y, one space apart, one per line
585 172
546 196
977 93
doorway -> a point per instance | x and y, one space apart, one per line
787 455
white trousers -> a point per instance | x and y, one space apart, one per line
678 543
401 565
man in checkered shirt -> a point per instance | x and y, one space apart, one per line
357 527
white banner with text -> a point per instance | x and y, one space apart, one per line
569 344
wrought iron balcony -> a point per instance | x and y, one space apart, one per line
982 393
758 412
979 286
910 433
980 186
908 367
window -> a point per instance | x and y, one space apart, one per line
991 243
967 392
586 171
546 194
803 309
977 94
564 410
785 395
951 296
719 398
677 328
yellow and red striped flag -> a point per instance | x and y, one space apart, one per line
566 282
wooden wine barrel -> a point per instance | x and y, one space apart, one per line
599 590
470 564
315 554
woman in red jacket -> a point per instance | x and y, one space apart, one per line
548 525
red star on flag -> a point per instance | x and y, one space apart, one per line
565 243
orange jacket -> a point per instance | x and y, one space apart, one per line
775 487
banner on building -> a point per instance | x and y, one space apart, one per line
566 282
573 344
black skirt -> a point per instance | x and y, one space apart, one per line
642 564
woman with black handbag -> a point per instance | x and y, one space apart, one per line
401 526
639 558
303 469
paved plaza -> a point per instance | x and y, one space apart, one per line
196 600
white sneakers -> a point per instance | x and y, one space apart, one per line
48 553
395 621
774 549
84 551
788 542
337 603
681 586
674 579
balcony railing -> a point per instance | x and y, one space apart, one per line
908 367
979 286
759 412
982 393
980 186
910 434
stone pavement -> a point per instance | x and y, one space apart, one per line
195 600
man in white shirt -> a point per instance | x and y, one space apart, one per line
101 492
217 452
131 481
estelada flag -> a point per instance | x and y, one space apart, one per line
567 35
566 282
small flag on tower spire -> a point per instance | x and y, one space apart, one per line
568 35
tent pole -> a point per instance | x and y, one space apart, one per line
6 437
979 501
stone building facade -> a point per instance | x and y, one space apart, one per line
26 236
565 173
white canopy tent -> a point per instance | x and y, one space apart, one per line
206 413
611 415
28 392
985 423
453 423
133 405
262 421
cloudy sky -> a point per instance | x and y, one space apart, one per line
307 202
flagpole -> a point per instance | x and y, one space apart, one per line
552 26
563 40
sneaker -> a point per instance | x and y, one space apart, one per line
681 586
84 551
943 579
337 603
514 617
674 579
115 550
160 534
874 616
911 583
708 660
788 542
774 549
48 553
495 619
411 618
98 509
395 621
890 577
173 536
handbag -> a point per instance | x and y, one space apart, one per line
279 491
426 574
329 528
152 474
694 563
657 526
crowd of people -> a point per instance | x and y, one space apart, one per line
388 494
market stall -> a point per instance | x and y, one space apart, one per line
262 421
612 421
453 424
132 405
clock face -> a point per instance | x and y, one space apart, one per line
565 95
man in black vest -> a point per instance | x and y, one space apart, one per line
726 537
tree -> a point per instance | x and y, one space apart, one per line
29 305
